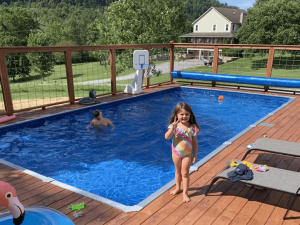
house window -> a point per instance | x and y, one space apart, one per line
214 27
196 28
233 27
199 40
226 27
207 40
216 40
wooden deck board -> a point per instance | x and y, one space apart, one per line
251 207
94 209
182 209
233 209
215 209
103 218
228 203
270 203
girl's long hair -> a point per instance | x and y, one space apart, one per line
187 107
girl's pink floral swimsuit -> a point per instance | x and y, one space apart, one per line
182 144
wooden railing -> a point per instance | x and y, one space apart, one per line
67 50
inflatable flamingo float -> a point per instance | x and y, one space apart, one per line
34 215
9 199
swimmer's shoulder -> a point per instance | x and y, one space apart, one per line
106 120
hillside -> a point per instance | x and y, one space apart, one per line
194 7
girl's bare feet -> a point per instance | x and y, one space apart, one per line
175 191
186 198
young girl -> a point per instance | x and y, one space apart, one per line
184 128
99 121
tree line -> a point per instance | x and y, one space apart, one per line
91 22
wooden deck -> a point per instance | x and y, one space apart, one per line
228 203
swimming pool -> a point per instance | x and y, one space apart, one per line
131 163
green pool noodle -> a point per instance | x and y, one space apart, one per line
78 206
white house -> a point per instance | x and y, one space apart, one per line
216 25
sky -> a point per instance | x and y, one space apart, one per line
242 4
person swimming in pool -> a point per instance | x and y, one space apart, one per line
99 121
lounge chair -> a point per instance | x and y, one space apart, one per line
275 179
275 146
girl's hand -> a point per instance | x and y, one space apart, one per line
171 130
194 159
174 124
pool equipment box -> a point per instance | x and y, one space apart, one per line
140 62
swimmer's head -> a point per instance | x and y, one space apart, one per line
96 113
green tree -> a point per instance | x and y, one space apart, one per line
272 22
42 62
60 57
138 22
15 26
147 21
66 23
54 32
232 52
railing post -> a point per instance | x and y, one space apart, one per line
171 60
70 81
9 108
112 54
215 63
147 79
269 65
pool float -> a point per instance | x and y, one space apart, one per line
89 100
9 199
7 118
18 215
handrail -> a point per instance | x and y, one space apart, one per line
7 50
245 46
67 50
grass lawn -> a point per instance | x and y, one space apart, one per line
55 84
283 67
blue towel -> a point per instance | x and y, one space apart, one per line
241 172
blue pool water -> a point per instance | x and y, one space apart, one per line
132 162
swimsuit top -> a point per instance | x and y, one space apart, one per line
182 144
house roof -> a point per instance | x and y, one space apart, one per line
210 34
232 15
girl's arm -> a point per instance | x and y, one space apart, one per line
169 133
195 148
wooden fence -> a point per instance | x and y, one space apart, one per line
8 104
